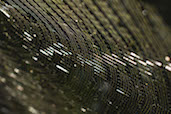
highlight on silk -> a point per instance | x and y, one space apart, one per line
85 56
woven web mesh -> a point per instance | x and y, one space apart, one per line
113 53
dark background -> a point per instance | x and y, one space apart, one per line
164 8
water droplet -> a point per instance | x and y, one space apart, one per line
34 35
32 110
3 80
12 75
31 71
144 12
20 88
16 70
27 62
83 109
167 58
35 58
110 102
